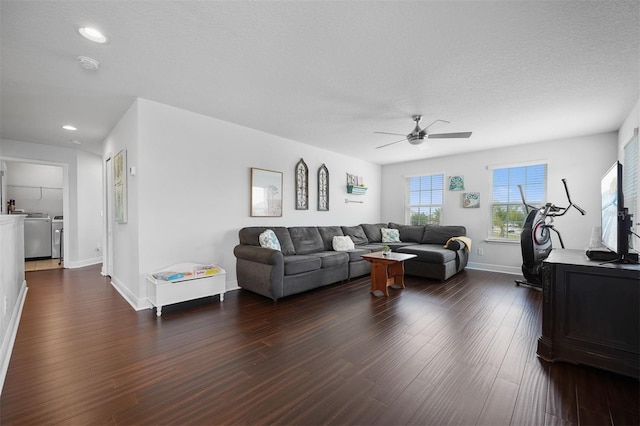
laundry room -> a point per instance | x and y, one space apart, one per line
36 191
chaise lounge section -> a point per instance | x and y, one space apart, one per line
305 257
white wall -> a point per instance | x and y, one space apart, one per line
190 195
3 188
582 161
627 128
125 264
89 185
35 187
13 288
78 207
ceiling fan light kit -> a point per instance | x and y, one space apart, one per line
415 140
417 136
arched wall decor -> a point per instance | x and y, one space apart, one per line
323 188
302 185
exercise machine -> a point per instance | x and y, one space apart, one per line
535 239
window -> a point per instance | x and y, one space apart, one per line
507 211
630 179
425 198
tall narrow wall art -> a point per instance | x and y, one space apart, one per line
120 186
323 188
302 185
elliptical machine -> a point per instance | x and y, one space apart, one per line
535 239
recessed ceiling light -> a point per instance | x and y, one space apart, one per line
69 127
93 35
77 142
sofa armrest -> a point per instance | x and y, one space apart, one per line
258 254
260 270
455 245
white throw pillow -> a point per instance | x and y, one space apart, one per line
343 243
390 235
268 239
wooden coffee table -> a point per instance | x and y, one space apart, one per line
386 271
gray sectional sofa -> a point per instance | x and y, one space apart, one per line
307 260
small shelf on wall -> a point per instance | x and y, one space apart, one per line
356 190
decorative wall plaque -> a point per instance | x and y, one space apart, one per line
302 185
323 188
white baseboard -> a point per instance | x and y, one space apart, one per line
232 285
9 339
82 263
495 268
136 303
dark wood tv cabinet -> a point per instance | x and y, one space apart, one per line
590 312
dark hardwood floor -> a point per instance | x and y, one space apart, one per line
460 352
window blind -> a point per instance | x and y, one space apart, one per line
507 210
425 196
630 180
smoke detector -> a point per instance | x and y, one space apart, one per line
88 63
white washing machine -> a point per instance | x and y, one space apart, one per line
56 237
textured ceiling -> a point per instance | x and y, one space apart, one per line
326 73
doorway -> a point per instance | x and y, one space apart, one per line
38 190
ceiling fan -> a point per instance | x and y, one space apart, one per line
417 135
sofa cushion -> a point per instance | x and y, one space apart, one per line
286 245
431 253
409 233
268 239
390 235
251 236
343 243
356 253
331 259
372 231
370 247
356 233
378 246
306 239
327 233
439 234
297 264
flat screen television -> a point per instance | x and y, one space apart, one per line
615 218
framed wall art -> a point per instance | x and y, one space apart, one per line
302 185
471 200
120 186
323 188
456 183
266 193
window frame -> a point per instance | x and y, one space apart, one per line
630 181
409 207
514 202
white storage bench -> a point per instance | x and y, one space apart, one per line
161 293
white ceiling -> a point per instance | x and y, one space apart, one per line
326 73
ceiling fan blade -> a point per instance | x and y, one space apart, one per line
391 143
435 121
394 134
449 135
